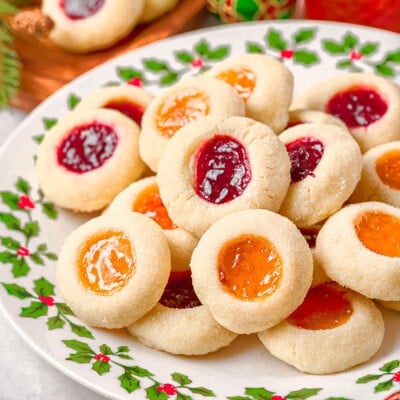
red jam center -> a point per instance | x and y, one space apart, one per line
325 307
357 106
87 147
222 169
179 291
131 110
305 154
80 9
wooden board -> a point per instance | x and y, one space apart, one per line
46 67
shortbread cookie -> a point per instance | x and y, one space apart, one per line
143 196
87 25
127 99
180 104
326 167
368 104
380 177
113 269
304 116
333 330
87 158
218 166
250 275
179 323
358 247
263 83
154 9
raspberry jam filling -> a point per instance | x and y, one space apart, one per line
222 169
80 9
324 307
387 166
87 147
305 154
249 267
106 262
379 232
179 291
180 109
149 202
310 234
130 109
241 79
357 106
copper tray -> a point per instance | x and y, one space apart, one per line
46 67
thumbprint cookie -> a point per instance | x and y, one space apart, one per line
303 116
368 105
87 158
127 99
88 25
179 323
143 196
180 104
326 165
113 269
217 166
252 269
263 83
154 9
358 247
380 176
346 327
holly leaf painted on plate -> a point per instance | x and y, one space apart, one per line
23 186
239 398
10 243
304 35
64 309
350 41
35 310
368 378
259 393
80 358
155 65
217 54
48 123
101 367
305 57
105 349
43 287
154 394
368 49
203 391
10 221
19 267
129 383
73 101
181 378
16 291
10 200
181 396
184 57
393 57
138 371
303 394
383 386
78 346
31 229
81 331
36 259
390 366
49 210
169 78
384 69
275 40
55 323
333 47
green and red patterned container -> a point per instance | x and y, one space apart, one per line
230 11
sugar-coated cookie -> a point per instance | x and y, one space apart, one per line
154 9
358 247
367 103
128 99
143 196
180 104
380 177
326 167
251 276
113 269
263 83
87 158
87 25
333 330
179 323
304 116
217 166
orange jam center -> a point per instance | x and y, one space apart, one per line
387 167
149 202
106 262
324 307
242 79
180 109
249 267
379 232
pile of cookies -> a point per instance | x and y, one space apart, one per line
229 208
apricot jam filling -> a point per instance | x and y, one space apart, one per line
106 262
222 169
387 166
357 106
149 202
131 110
80 9
87 147
379 232
180 109
249 267
241 79
179 292
324 307
305 154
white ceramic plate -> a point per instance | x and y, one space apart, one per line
32 230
